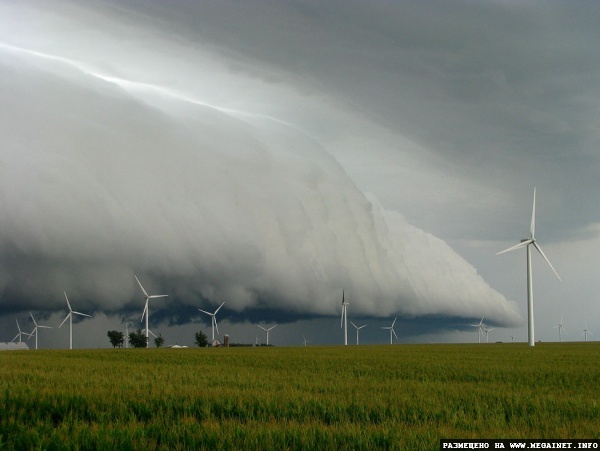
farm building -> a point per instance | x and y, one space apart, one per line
13 347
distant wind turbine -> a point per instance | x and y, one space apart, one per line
127 334
487 331
213 320
267 331
305 341
344 322
585 330
561 328
392 331
21 333
70 318
480 328
146 311
35 330
527 244
357 329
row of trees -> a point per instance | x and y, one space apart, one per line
137 339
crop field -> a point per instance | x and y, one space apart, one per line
355 397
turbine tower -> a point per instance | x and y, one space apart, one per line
70 318
480 328
392 331
561 328
527 244
344 322
35 330
146 311
357 329
213 320
267 331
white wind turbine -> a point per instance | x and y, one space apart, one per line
35 330
357 329
392 331
561 328
305 340
146 311
487 331
267 331
585 330
21 333
527 244
70 318
344 322
127 335
480 327
213 320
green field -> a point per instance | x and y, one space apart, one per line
355 397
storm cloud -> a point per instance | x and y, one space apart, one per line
113 164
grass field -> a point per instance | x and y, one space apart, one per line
355 397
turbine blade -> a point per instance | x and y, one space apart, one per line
16 336
145 310
33 319
394 321
140 284
19 327
82 314
516 246
355 326
68 304
204 311
216 325
532 228
219 308
394 332
66 318
273 327
46 327
546 258
261 327
158 296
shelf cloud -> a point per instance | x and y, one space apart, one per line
118 166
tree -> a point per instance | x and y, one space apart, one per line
116 338
159 341
137 339
201 339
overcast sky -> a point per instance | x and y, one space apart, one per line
271 154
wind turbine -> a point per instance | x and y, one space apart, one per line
527 244
213 320
127 334
344 322
267 331
585 330
21 333
392 331
146 311
357 329
35 330
70 318
560 327
480 327
487 331
305 340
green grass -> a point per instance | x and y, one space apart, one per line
367 397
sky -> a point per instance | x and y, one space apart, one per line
278 155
